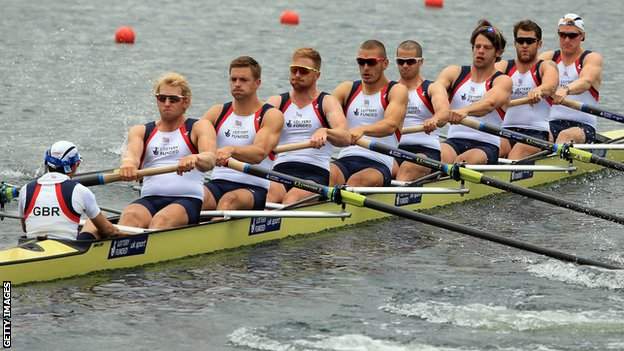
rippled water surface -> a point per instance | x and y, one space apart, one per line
389 285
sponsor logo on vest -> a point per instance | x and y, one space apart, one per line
46 211
165 150
237 134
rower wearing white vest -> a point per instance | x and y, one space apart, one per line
247 130
375 108
580 76
52 205
533 78
309 115
476 91
428 106
168 200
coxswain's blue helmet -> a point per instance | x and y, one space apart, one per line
62 156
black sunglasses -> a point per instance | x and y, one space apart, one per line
528 41
570 35
173 98
410 61
369 61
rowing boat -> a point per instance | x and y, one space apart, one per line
43 260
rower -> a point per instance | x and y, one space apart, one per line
580 76
168 200
533 78
478 91
374 107
247 130
309 115
428 106
51 206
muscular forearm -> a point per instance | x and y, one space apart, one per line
381 128
249 153
480 108
579 86
206 161
338 137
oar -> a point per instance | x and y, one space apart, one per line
105 178
594 110
565 151
342 196
456 172
292 147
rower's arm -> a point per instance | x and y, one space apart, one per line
550 78
275 101
547 55
393 116
497 96
342 91
447 76
440 102
265 141
104 226
134 149
337 134
206 140
590 76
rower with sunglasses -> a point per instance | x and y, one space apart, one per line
580 76
247 130
374 107
168 200
309 115
477 91
533 78
428 106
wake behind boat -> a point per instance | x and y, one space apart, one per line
43 260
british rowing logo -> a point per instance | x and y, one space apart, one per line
366 102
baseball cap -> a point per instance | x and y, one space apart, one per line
572 19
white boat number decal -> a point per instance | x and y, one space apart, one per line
130 246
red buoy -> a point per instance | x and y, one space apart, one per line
434 3
124 35
289 17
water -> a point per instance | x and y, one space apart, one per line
390 285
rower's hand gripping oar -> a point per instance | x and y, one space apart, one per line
457 172
339 195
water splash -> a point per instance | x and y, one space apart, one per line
501 318
585 276
256 339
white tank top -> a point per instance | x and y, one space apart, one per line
165 149
419 109
299 125
466 93
235 130
533 117
567 75
363 110
49 212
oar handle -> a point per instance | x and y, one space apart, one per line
413 129
292 147
519 101
573 104
105 178
471 123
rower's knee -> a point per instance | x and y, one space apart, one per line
135 217
163 221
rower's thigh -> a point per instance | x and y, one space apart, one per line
520 151
505 148
366 177
294 195
335 175
173 215
239 199
473 156
447 153
209 200
410 171
135 215
574 134
276 193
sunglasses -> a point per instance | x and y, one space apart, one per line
409 60
370 61
528 41
302 70
173 98
569 35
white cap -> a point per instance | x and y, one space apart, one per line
572 19
62 155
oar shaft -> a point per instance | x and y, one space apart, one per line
105 178
519 101
362 201
292 147
593 110
456 227
413 129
